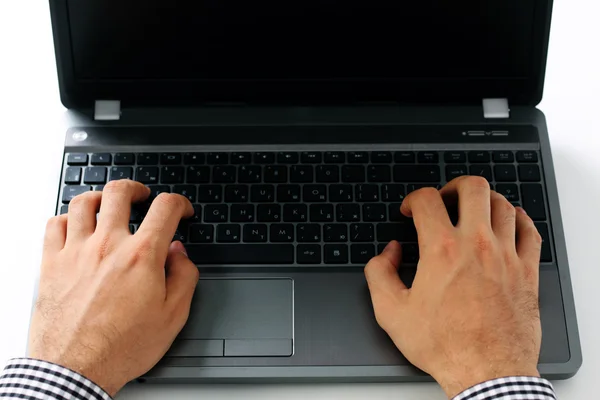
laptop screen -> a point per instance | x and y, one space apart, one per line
300 40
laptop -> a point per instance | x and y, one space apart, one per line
297 129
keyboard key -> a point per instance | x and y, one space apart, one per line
455 157
241 158
255 233
301 174
287 158
200 233
262 193
381 157
314 193
335 254
503 156
295 213
335 157
77 159
361 253
379 173
404 157
236 194
311 157
171 175
479 156
348 213
197 217
505 173
394 211
155 190
241 254
180 235
335 233
133 228
101 159
308 233
269 213
454 171
529 173
187 191
138 212
224 174
73 175
288 193
353 173
170 158
216 213
198 174
117 173
95 175
546 255
308 254
69 192
194 158
481 170
242 213
417 173
275 174
533 201
392 192
147 175
510 191
367 193
358 157
410 253
217 158
210 194
416 186
228 233
527 157
362 232
402 231
282 233
340 193
147 159
374 212
124 159
321 213
328 173
250 174
264 158
428 157
64 210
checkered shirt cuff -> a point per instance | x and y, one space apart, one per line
29 379
510 388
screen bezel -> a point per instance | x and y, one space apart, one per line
78 93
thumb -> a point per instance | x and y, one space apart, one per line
181 277
387 290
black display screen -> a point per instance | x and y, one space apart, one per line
301 39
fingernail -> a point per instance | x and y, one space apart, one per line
521 210
388 247
178 246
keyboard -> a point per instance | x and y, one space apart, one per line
311 208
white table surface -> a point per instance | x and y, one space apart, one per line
32 129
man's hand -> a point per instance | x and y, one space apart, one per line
110 303
472 313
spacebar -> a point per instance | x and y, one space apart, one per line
241 254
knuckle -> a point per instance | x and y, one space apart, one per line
476 182
424 194
169 200
484 242
81 200
54 222
118 186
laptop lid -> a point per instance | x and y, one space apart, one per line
185 53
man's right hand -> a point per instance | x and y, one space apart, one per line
472 313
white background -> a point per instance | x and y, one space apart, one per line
32 135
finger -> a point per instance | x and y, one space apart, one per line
529 241
162 220
428 211
385 285
472 193
503 219
82 216
182 279
56 234
117 197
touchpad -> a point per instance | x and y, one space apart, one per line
239 318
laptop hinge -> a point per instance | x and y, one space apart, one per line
496 109
107 110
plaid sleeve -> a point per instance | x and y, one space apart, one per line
29 379
510 388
